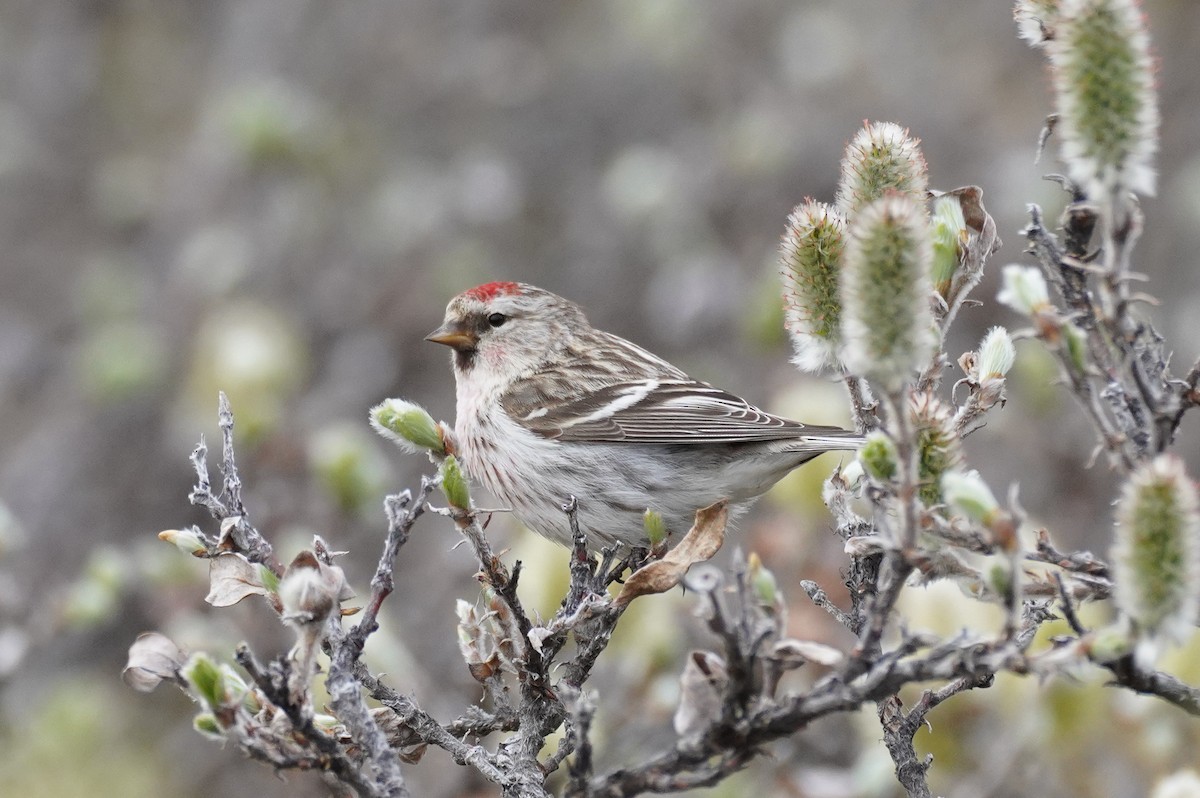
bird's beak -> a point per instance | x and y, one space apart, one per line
455 336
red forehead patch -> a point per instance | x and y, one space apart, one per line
492 290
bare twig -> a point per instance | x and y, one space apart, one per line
273 682
821 600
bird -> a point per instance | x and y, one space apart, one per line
548 407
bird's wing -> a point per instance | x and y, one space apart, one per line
617 392
657 411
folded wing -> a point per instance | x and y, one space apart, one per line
655 411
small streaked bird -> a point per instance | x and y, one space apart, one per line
550 407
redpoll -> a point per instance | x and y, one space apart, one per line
550 407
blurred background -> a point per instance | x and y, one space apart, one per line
277 198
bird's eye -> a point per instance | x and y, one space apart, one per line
497 319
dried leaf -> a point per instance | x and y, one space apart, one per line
866 545
482 670
476 642
700 543
407 743
411 754
153 657
231 578
537 636
794 653
229 525
701 689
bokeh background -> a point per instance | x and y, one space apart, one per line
276 198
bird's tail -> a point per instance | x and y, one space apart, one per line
826 441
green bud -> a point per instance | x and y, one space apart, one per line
205 678
1156 555
206 724
882 158
949 236
269 579
999 578
1110 643
454 483
408 424
810 260
1024 290
234 685
1075 342
878 457
189 541
252 702
887 327
762 580
1104 81
655 526
969 495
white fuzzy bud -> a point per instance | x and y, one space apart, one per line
190 541
968 494
996 354
305 596
1024 290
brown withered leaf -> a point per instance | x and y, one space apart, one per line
701 542
231 578
404 740
482 670
978 220
153 657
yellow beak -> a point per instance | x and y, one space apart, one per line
454 336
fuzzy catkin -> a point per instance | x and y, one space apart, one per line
1156 554
1104 84
810 263
888 324
882 158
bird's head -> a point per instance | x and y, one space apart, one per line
514 328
